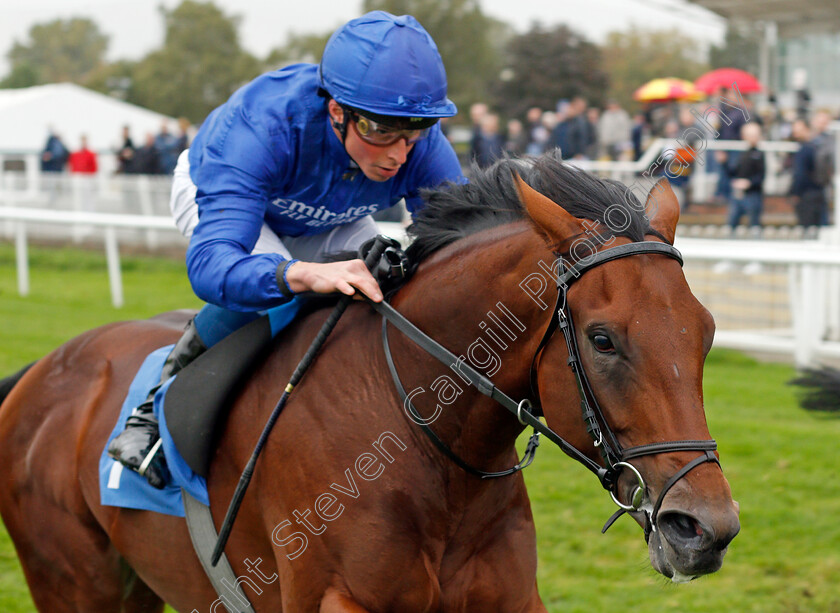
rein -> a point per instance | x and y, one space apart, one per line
614 455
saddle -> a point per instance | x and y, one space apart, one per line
200 394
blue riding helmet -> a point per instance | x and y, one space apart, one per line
388 66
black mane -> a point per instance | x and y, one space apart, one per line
490 200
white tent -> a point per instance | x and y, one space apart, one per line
27 114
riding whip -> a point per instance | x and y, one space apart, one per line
371 260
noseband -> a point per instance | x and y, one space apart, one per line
616 458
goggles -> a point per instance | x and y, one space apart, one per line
380 135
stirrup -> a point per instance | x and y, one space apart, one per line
141 470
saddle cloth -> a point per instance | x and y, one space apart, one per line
191 408
121 487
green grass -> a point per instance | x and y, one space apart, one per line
69 294
781 462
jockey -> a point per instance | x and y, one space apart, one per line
291 169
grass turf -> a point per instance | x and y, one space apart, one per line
781 463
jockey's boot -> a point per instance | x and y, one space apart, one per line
138 446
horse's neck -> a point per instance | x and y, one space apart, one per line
468 298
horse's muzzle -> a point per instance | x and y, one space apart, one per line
684 546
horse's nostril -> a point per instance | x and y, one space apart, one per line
681 527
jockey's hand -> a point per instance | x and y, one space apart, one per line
345 277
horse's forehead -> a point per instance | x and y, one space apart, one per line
641 281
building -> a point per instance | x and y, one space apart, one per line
28 114
801 45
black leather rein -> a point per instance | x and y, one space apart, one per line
615 457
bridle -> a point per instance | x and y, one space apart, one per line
616 458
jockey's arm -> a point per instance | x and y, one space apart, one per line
237 179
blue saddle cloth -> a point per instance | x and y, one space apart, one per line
122 487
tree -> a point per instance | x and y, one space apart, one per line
113 79
199 66
298 48
740 48
548 65
23 74
60 50
470 43
634 57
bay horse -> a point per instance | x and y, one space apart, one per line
352 509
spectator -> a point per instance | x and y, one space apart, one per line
125 154
516 139
183 140
541 135
799 81
824 151
548 120
146 160
614 129
55 154
593 116
166 145
637 135
687 132
477 113
784 129
748 177
658 116
560 131
728 130
533 124
809 197
775 119
489 143
577 132
83 161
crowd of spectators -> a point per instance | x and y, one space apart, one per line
579 130
584 132
157 155
55 156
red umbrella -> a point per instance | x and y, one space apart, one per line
725 77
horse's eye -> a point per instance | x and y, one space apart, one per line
602 343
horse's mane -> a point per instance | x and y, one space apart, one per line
490 199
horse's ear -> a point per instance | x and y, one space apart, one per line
663 209
552 220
